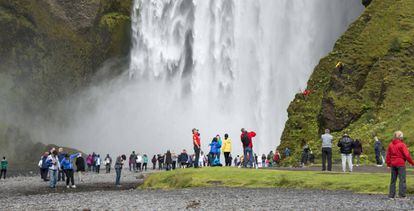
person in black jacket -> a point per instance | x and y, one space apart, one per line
168 160
80 166
154 162
357 151
346 144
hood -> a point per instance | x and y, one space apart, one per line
396 141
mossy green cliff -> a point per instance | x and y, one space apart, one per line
372 95
50 49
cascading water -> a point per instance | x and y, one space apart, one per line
217 65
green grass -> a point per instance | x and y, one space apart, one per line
374 183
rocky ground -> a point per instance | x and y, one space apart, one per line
99 192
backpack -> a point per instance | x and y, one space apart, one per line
245 140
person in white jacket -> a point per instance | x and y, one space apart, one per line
139 162
54 166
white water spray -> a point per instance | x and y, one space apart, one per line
217 65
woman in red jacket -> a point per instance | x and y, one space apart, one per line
397 155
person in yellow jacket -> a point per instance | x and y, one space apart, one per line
226 148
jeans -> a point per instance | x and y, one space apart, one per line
97 168
61 175
108 168
346 158
400 173
118 176
154 166
53 178
144 166
378 158
197 156
138 166
248 153
226 158
69 177
326 155
357 159
3 173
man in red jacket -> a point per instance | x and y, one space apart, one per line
246 139
397 155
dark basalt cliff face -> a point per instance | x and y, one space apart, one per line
52 48
373 93
49 50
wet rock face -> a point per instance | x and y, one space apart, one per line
52 48
77 14
366 3
335 119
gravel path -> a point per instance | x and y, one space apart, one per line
99 192
208 199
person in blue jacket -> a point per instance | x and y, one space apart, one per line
214 150
67 167
61 174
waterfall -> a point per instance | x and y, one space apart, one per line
216 65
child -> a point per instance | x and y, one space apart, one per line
4 165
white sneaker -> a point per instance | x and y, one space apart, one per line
67 186
73 186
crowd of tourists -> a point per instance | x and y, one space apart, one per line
57 165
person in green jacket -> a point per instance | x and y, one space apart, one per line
4 164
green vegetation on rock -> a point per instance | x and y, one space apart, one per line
376 183
372 96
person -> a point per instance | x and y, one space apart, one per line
183 158
108 163
357 152
168 160
270 158
346 144
311 157
305 155
154 162
327 150
44 167
160 161
221 144
340 67
236 160
263 160
276 158
80 166
397 155
97 163
61 174
3 168
139 162
67 168
377 149
54 166
144 162
132 161
246 139
89 162
197 146
227 149
93 162
200 160
118 169
214 151
287 152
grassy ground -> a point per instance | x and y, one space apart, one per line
376 183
